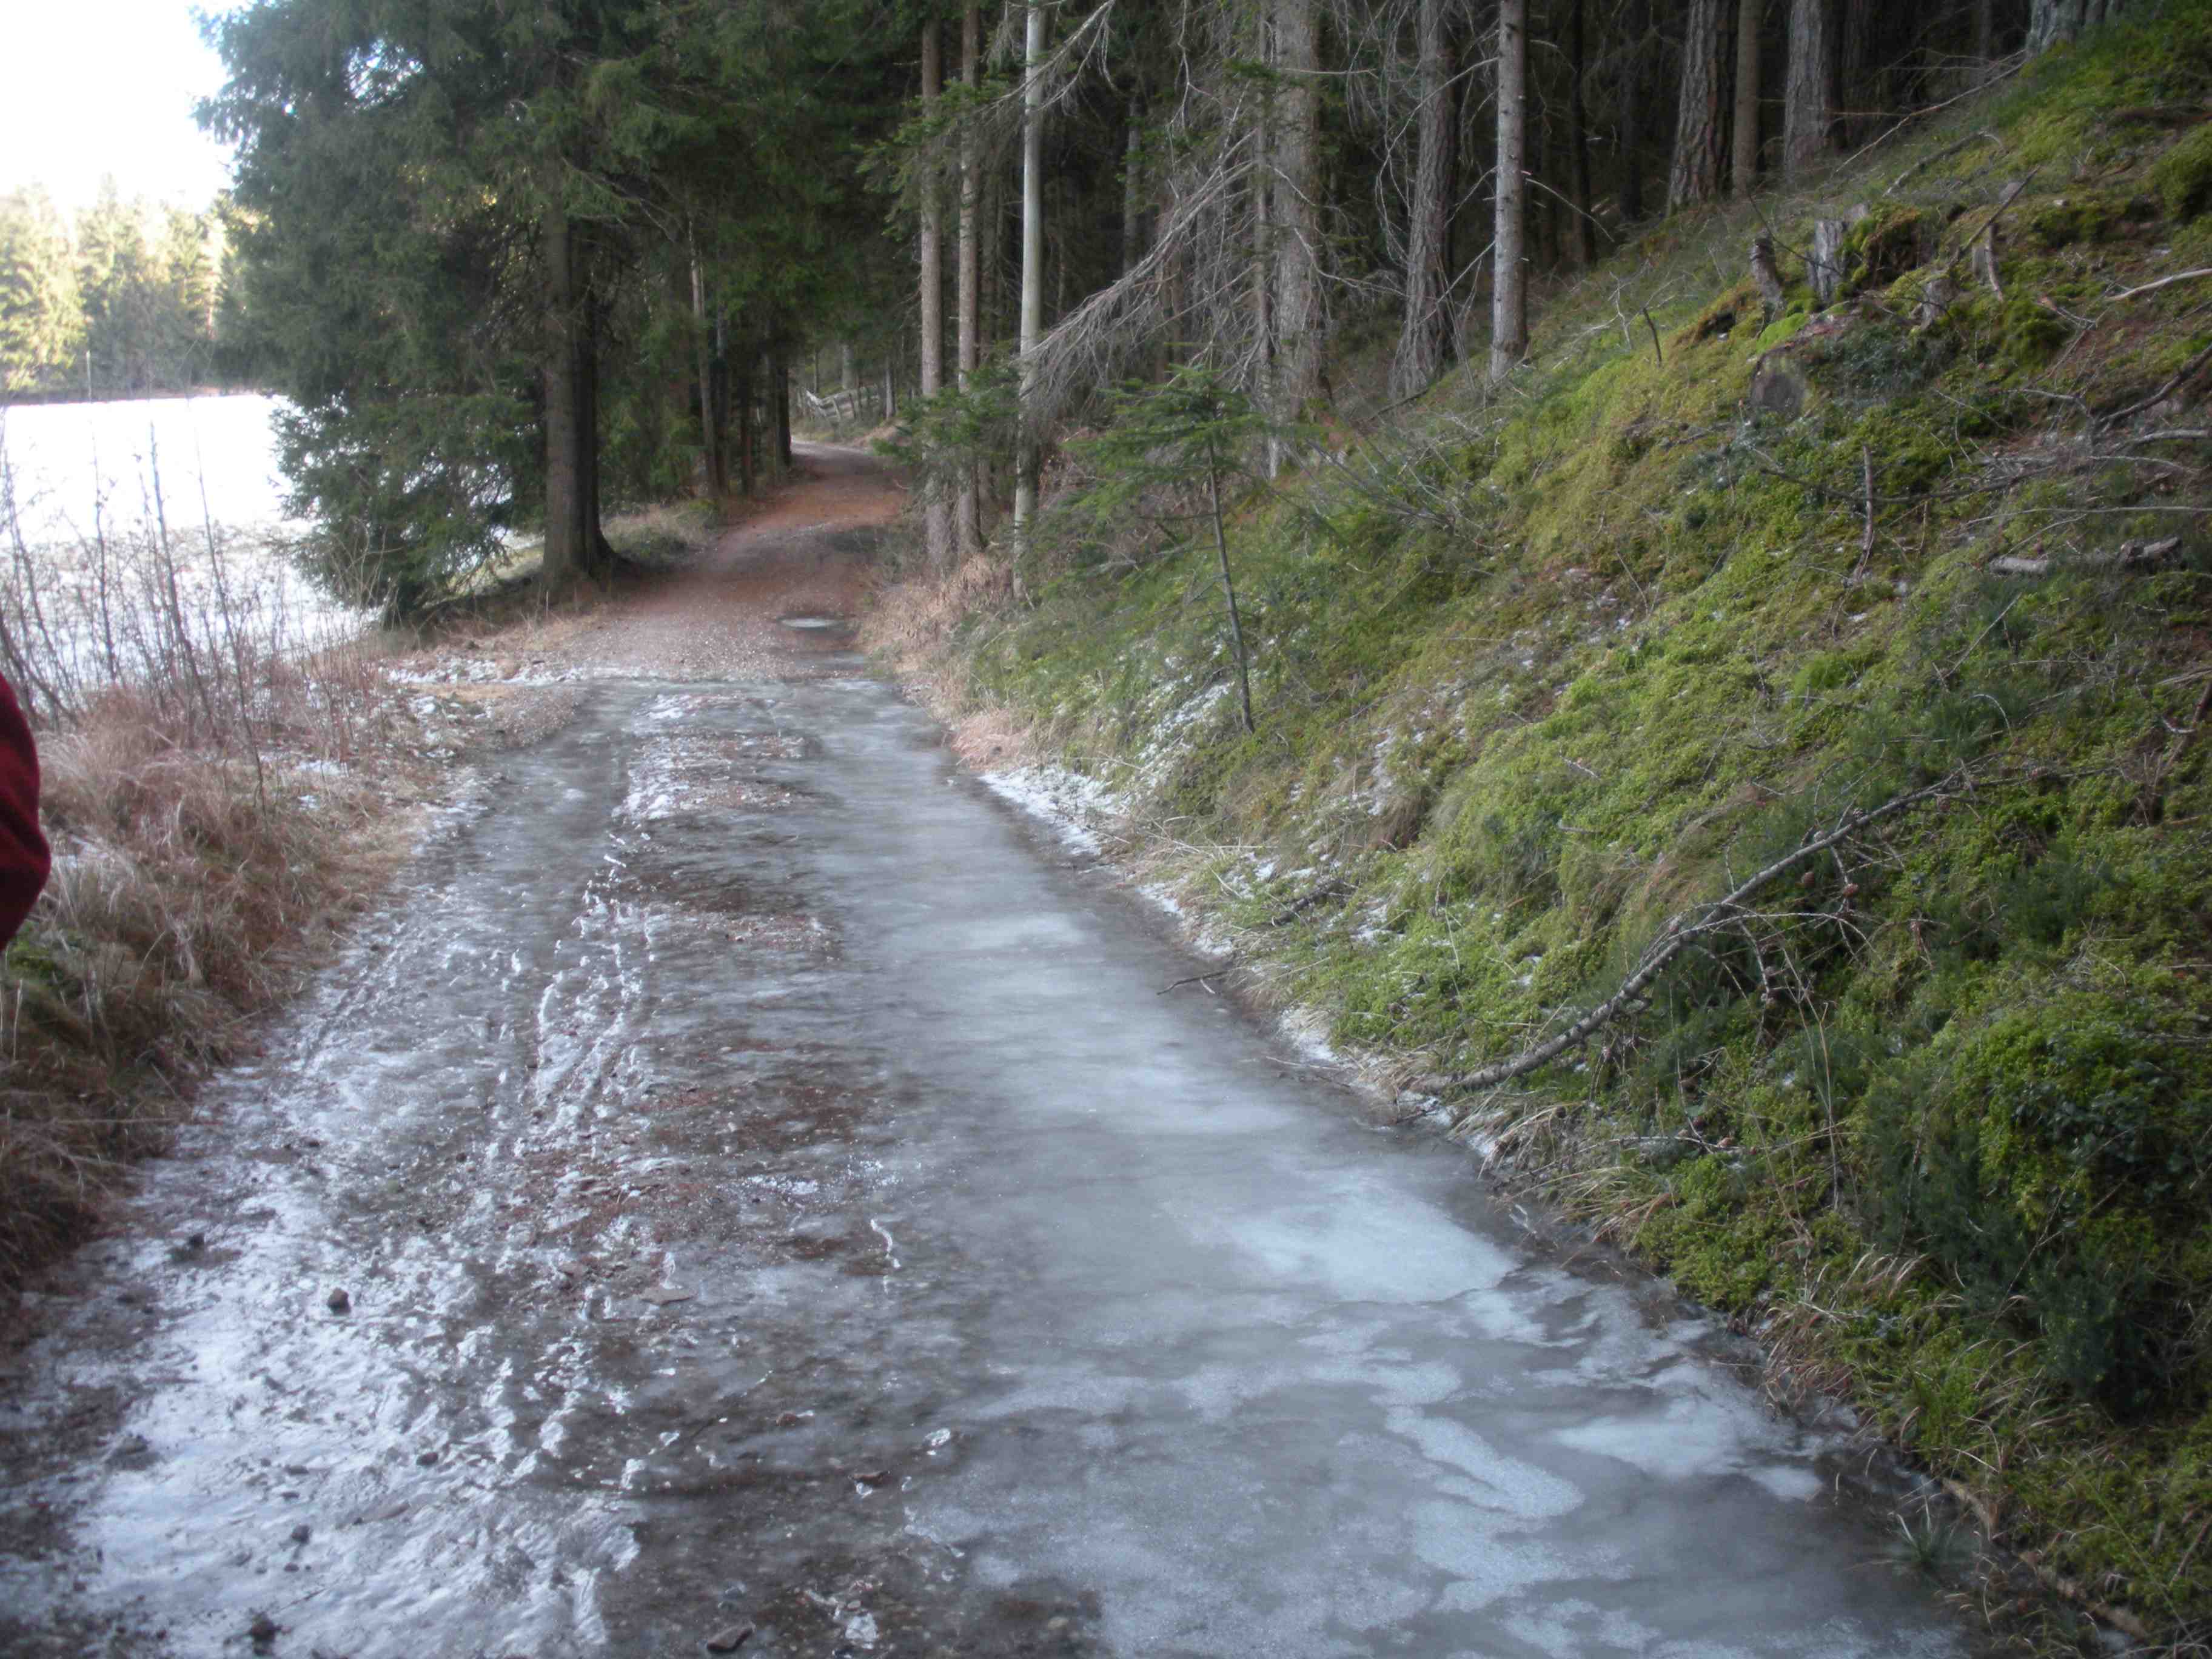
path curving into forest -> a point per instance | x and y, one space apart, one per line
771 1195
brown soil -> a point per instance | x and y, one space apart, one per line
718 618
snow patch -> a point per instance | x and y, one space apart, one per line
1075 806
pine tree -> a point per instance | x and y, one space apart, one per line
120 293
451 209
184 302
40 324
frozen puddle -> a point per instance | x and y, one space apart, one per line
947 1290
815 622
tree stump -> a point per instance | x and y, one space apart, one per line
1764 273
1824 269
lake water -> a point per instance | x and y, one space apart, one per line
89 589
215 453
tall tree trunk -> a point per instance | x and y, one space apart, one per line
1809 98
1578 173
1695 173
1637 26
780 389
967 525
568 551
2051 21
1509 292
990 251
748 423
1132 191
718 367
1263 226
1856 81
1026 449
710 431
1424 336
1748 15
1299 324
601 554
937 508
1543 204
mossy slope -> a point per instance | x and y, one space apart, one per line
1538 670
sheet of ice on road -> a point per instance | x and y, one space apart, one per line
772 1191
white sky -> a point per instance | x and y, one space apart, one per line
107 86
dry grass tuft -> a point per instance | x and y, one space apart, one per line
190 886
915 622
991 739
218 770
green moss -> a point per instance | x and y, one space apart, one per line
1721 317
2183 176
1886 244
2032 332
2060 110
1783 328
2090 217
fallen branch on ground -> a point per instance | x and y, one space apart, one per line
2128 556
2074 1591
1196 979
1676 937
2154 791
2163 281
1980 137
2188 371
1334 887
2160 115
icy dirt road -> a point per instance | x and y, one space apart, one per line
770 1192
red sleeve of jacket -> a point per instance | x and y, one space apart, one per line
24 857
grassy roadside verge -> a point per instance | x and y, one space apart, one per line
1544 672
227 787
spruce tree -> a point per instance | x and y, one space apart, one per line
40 324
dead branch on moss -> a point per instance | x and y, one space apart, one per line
1334 887
2000 68
1680 934
1980 137
2074 1590
1983 233
1866 538
2154 798
2128 556
2163 281
1860 496
2188 372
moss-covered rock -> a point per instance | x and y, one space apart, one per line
2094 217
1886 244
2056 1161
2183 176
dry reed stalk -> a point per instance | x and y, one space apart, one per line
215 769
